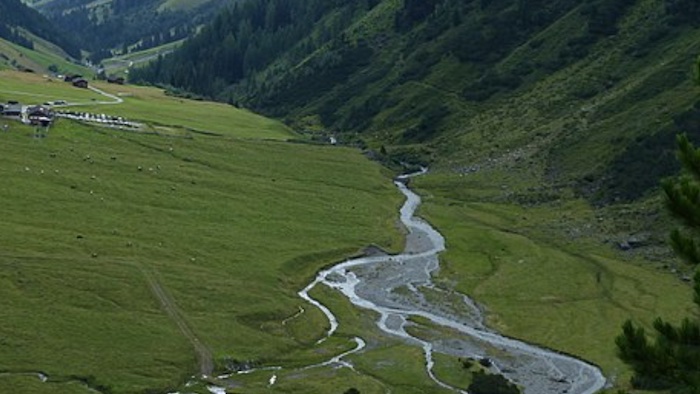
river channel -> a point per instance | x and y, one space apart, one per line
400 287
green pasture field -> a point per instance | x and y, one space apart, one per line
162 113
94 220
179 5
153 106
119 65
30 383
539 283
229 223
451 371
29 88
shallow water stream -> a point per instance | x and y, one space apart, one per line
399 287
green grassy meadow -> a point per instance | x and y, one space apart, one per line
29 88
163 114
32 384
119 65
539 279
153 106
230 227
231 221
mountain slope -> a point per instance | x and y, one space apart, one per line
569 85
124 25
46 57
18 23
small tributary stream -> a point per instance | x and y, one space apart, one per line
399 287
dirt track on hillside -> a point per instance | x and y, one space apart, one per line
205 359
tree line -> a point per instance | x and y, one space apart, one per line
123 26
247 38
14 16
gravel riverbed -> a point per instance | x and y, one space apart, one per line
399 287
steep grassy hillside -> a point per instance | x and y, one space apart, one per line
44 57
571 84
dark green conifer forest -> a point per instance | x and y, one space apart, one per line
123 26
16 20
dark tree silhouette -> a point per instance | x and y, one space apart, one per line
672 360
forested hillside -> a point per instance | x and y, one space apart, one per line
244 40
18 22
561 84
121 26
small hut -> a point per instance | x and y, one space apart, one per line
80 83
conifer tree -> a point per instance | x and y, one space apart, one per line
672 360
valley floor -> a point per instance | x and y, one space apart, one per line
132 261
